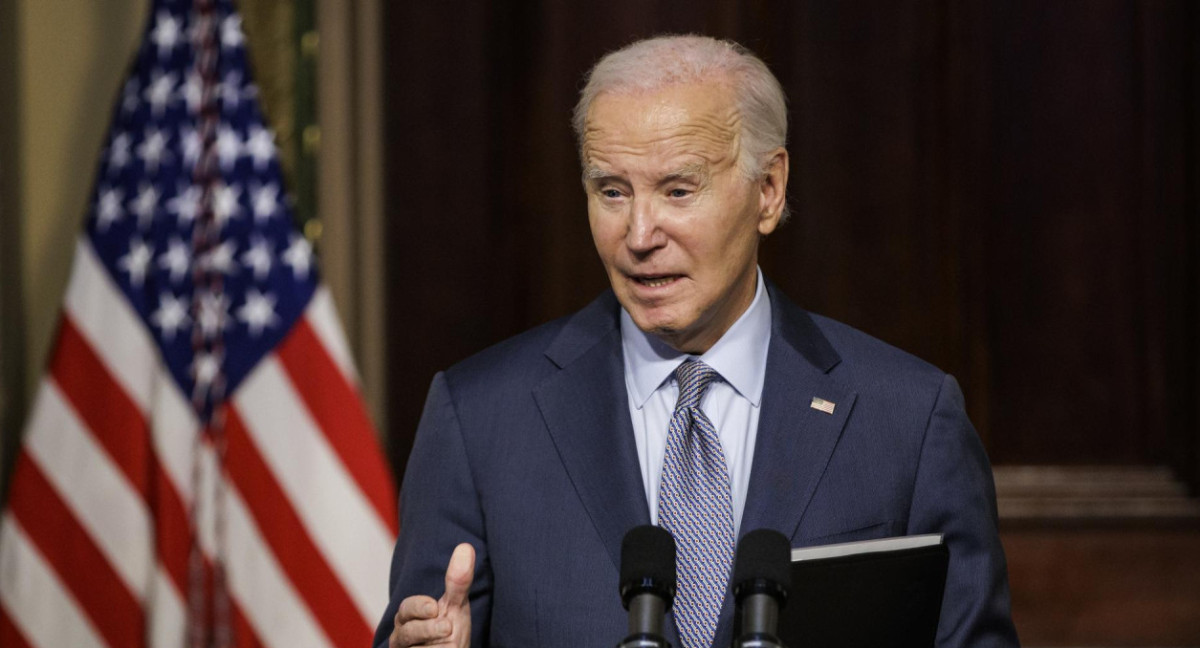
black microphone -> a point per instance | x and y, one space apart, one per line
647 584
761 576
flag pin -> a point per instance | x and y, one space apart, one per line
822 405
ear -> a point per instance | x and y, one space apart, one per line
772 191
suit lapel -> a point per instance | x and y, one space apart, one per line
795 439
584 406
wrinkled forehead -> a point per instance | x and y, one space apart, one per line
697 118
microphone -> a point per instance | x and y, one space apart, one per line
647 584
761 576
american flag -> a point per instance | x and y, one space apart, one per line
198 468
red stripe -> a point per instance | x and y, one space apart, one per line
172 529
335 405
113 418
10 636
69 550
282 529
243 634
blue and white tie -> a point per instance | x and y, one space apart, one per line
695 505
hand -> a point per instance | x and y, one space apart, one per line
446 622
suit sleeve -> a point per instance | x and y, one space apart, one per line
954 494
439 508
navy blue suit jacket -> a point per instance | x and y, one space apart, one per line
526 450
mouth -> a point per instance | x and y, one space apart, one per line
655 281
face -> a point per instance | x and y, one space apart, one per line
676 222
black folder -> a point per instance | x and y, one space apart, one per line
879 593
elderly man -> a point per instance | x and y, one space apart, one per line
693 390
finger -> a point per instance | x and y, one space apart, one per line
459 574
416 608
420 632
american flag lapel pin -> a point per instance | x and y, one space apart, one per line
822 405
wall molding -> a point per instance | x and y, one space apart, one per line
1092 494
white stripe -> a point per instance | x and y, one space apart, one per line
98 494
166 614
340 520
260 588
38 604
322 316
173 430
116 332
206 508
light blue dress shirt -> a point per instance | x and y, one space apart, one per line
732 403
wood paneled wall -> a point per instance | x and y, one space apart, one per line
1008 190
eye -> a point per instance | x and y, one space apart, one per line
610 193
679 193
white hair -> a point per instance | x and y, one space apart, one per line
654 63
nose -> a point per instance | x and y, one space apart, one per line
644 234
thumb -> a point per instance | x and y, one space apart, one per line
459 574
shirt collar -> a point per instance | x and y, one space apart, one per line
740 356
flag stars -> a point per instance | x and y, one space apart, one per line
260 145
258 312
145 204
213 315
171 316
265 202
136 261
220 259
231 32
231 91
229 147
186 204
258 258
205 370
159 92
176 260
118 152
153 149
110 208
225 205
190 141
298 256
166 33
192 92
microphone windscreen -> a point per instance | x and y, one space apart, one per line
648 556
763 554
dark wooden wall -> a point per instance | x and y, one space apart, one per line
1006 189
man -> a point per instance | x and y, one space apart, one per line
693 390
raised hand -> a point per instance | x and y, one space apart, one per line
445 622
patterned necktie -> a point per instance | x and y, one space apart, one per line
695 505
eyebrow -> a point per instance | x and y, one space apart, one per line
694 172
592 173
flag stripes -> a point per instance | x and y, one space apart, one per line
35 601
322 317
9 634
282 529
105 408
339 414
323 491
102 502
98 309
166 616
68 549
269 599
